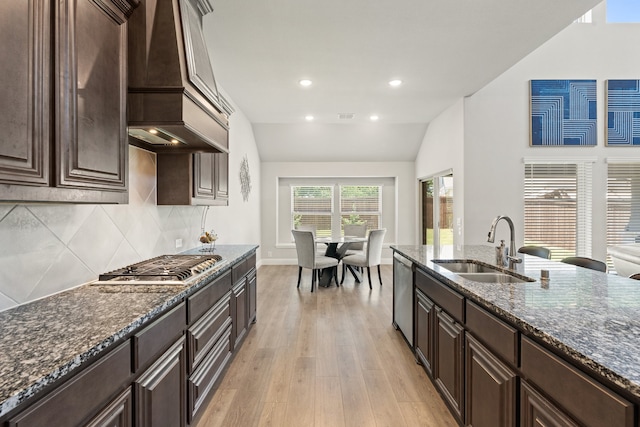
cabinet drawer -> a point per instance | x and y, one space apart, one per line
207 297
83 395
157 337
203 334
586 400
205 376
239 270
501 338
449 300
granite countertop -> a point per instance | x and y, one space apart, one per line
592 317
47 339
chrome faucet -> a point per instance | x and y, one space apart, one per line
513 259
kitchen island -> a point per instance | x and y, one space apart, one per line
581 319
46 342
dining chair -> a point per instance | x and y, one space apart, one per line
308 258
585 262
635 276
539 251
357 230
372 255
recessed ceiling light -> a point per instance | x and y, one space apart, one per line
374 118
308 118
153 131
305 82
395 83
175 141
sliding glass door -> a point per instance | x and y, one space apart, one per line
436 194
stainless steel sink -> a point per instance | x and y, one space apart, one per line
493 278
478 271
466 266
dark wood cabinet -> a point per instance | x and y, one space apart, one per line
424 331
240 311
252 297
449 361
490 388
159 393
193 179
117 414
65 80
537 411
83 396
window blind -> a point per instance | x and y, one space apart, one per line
312 206
557 204
623 203
361 203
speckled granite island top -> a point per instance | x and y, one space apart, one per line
592 317
45 340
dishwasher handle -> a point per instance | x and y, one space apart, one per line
403 260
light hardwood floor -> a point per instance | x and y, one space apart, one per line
328 358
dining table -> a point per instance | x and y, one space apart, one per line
337 248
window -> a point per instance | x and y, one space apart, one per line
587 18
312 206
557 207
623 11
437 210
361 204
623 203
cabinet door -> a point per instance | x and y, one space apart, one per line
116 414
490 387
449 361
252 296
25 31
221 170
90 98
424 331
160 399
536 411
240 312
204 169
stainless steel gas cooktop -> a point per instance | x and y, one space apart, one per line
163 270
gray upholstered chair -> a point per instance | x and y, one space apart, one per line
311 228
308 258
585 262
357 230
372 255
539 251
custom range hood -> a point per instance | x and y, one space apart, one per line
173 104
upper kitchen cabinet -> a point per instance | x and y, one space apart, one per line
173 103
63 86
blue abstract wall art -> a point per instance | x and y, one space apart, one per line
563 113
623 113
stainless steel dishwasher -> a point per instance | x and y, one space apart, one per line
403 296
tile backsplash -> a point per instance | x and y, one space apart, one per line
47 248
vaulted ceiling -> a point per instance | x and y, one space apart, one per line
442 50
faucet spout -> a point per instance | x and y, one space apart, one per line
513 259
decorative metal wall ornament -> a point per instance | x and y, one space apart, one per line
245 178
623 113
563 113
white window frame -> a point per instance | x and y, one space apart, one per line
318 213
342 212
584 199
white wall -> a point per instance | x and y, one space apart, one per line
47 248
442 149
496 126
404 175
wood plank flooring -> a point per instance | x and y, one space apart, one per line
329 358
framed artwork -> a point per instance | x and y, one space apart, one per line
563 113
623 113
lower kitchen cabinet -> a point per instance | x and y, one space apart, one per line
159 392
84 396
117 414
449 366
240 311
491 374
537 411
252 289
490 387
424 330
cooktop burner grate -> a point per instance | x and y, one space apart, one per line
162 268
